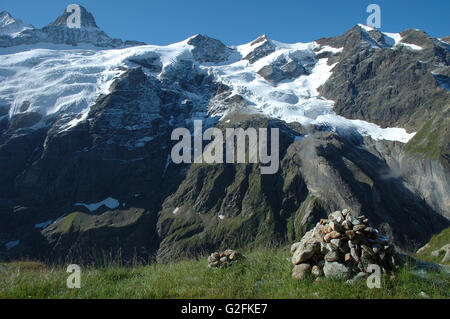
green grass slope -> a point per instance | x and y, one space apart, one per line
264 274
436 242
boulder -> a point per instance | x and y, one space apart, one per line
316 271
305 252
301 271
336 270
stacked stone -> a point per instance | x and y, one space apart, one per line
224 259
343 246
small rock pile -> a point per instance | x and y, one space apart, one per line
342 247
224 259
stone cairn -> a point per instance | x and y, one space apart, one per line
343 247
224 259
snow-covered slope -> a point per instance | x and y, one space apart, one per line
297 99
389 39
61 80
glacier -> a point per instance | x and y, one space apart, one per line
60 80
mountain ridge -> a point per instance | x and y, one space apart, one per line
58 32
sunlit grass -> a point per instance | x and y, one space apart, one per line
264 274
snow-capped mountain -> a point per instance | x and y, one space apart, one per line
15 33
85 138
11 27
275 79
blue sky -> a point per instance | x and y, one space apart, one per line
239 21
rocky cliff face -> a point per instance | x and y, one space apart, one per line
406 86
88 172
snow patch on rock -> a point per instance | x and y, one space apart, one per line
109 202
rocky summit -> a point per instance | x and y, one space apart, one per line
341 247
86 167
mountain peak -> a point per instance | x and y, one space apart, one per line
261 47
365 27
5 19
207 49
58 32
87 19
260 39
10 26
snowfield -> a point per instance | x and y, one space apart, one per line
63 80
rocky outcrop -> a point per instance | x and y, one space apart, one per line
287 67
207 49
341 247
262 47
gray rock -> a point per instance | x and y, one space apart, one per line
336 226
347 225
336 215
308 246
228 252
316 271
235 256
367 250
336 270
223 259
294 247
305 252
351 244
354 254
336 242
332 256
332 247
301 271
323 248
